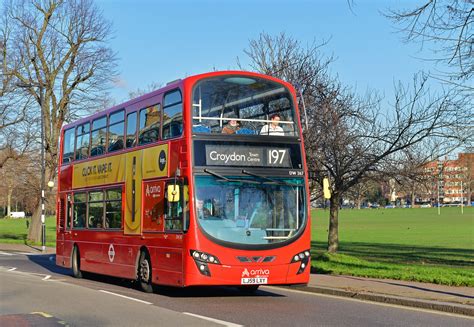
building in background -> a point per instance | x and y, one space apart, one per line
451 180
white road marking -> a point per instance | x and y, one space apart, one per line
47 277
374 303
12 269
44 314
222 322
6 253
125 297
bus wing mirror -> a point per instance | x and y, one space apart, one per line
173 193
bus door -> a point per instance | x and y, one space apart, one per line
64 227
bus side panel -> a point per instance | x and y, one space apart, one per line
166 256
113 256
122 258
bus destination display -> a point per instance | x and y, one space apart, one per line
251 156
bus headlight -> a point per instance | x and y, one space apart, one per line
303 258
202 260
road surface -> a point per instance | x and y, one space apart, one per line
35 290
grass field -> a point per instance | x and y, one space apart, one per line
408 244
15 231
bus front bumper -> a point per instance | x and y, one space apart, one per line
255 274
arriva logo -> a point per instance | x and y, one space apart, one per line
152 190
260 272
255 272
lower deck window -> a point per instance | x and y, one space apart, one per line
99 208
80 210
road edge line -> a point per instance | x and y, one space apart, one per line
454 308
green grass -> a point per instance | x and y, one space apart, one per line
406 244
16 231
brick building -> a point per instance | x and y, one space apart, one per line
454 178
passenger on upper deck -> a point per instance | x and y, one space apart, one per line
232 127
272 128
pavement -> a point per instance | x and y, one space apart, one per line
451 299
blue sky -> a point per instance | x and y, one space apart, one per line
160 41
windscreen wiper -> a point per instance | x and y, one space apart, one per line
274 181
213 173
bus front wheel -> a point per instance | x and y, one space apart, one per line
76 263
144 273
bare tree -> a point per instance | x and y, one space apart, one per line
445 26
409 170
149 88
56 51
349 137
20 181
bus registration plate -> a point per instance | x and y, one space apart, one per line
255 280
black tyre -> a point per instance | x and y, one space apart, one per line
144 273
76 263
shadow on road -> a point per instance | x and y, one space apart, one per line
48 261
210 291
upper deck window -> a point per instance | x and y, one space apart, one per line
98 136
68 145
150 120
131 129
116 130
172 115
82 141
243 105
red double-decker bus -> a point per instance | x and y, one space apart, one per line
202 182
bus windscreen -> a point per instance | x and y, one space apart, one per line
250 210
242 105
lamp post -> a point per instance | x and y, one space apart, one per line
43 172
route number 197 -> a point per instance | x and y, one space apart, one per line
276 157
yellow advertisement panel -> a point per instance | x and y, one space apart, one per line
131 168
155 162
99 172
144 164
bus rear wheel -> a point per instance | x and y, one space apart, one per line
76 263
144 273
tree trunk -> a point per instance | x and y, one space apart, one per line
9 201
333 238
34 233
